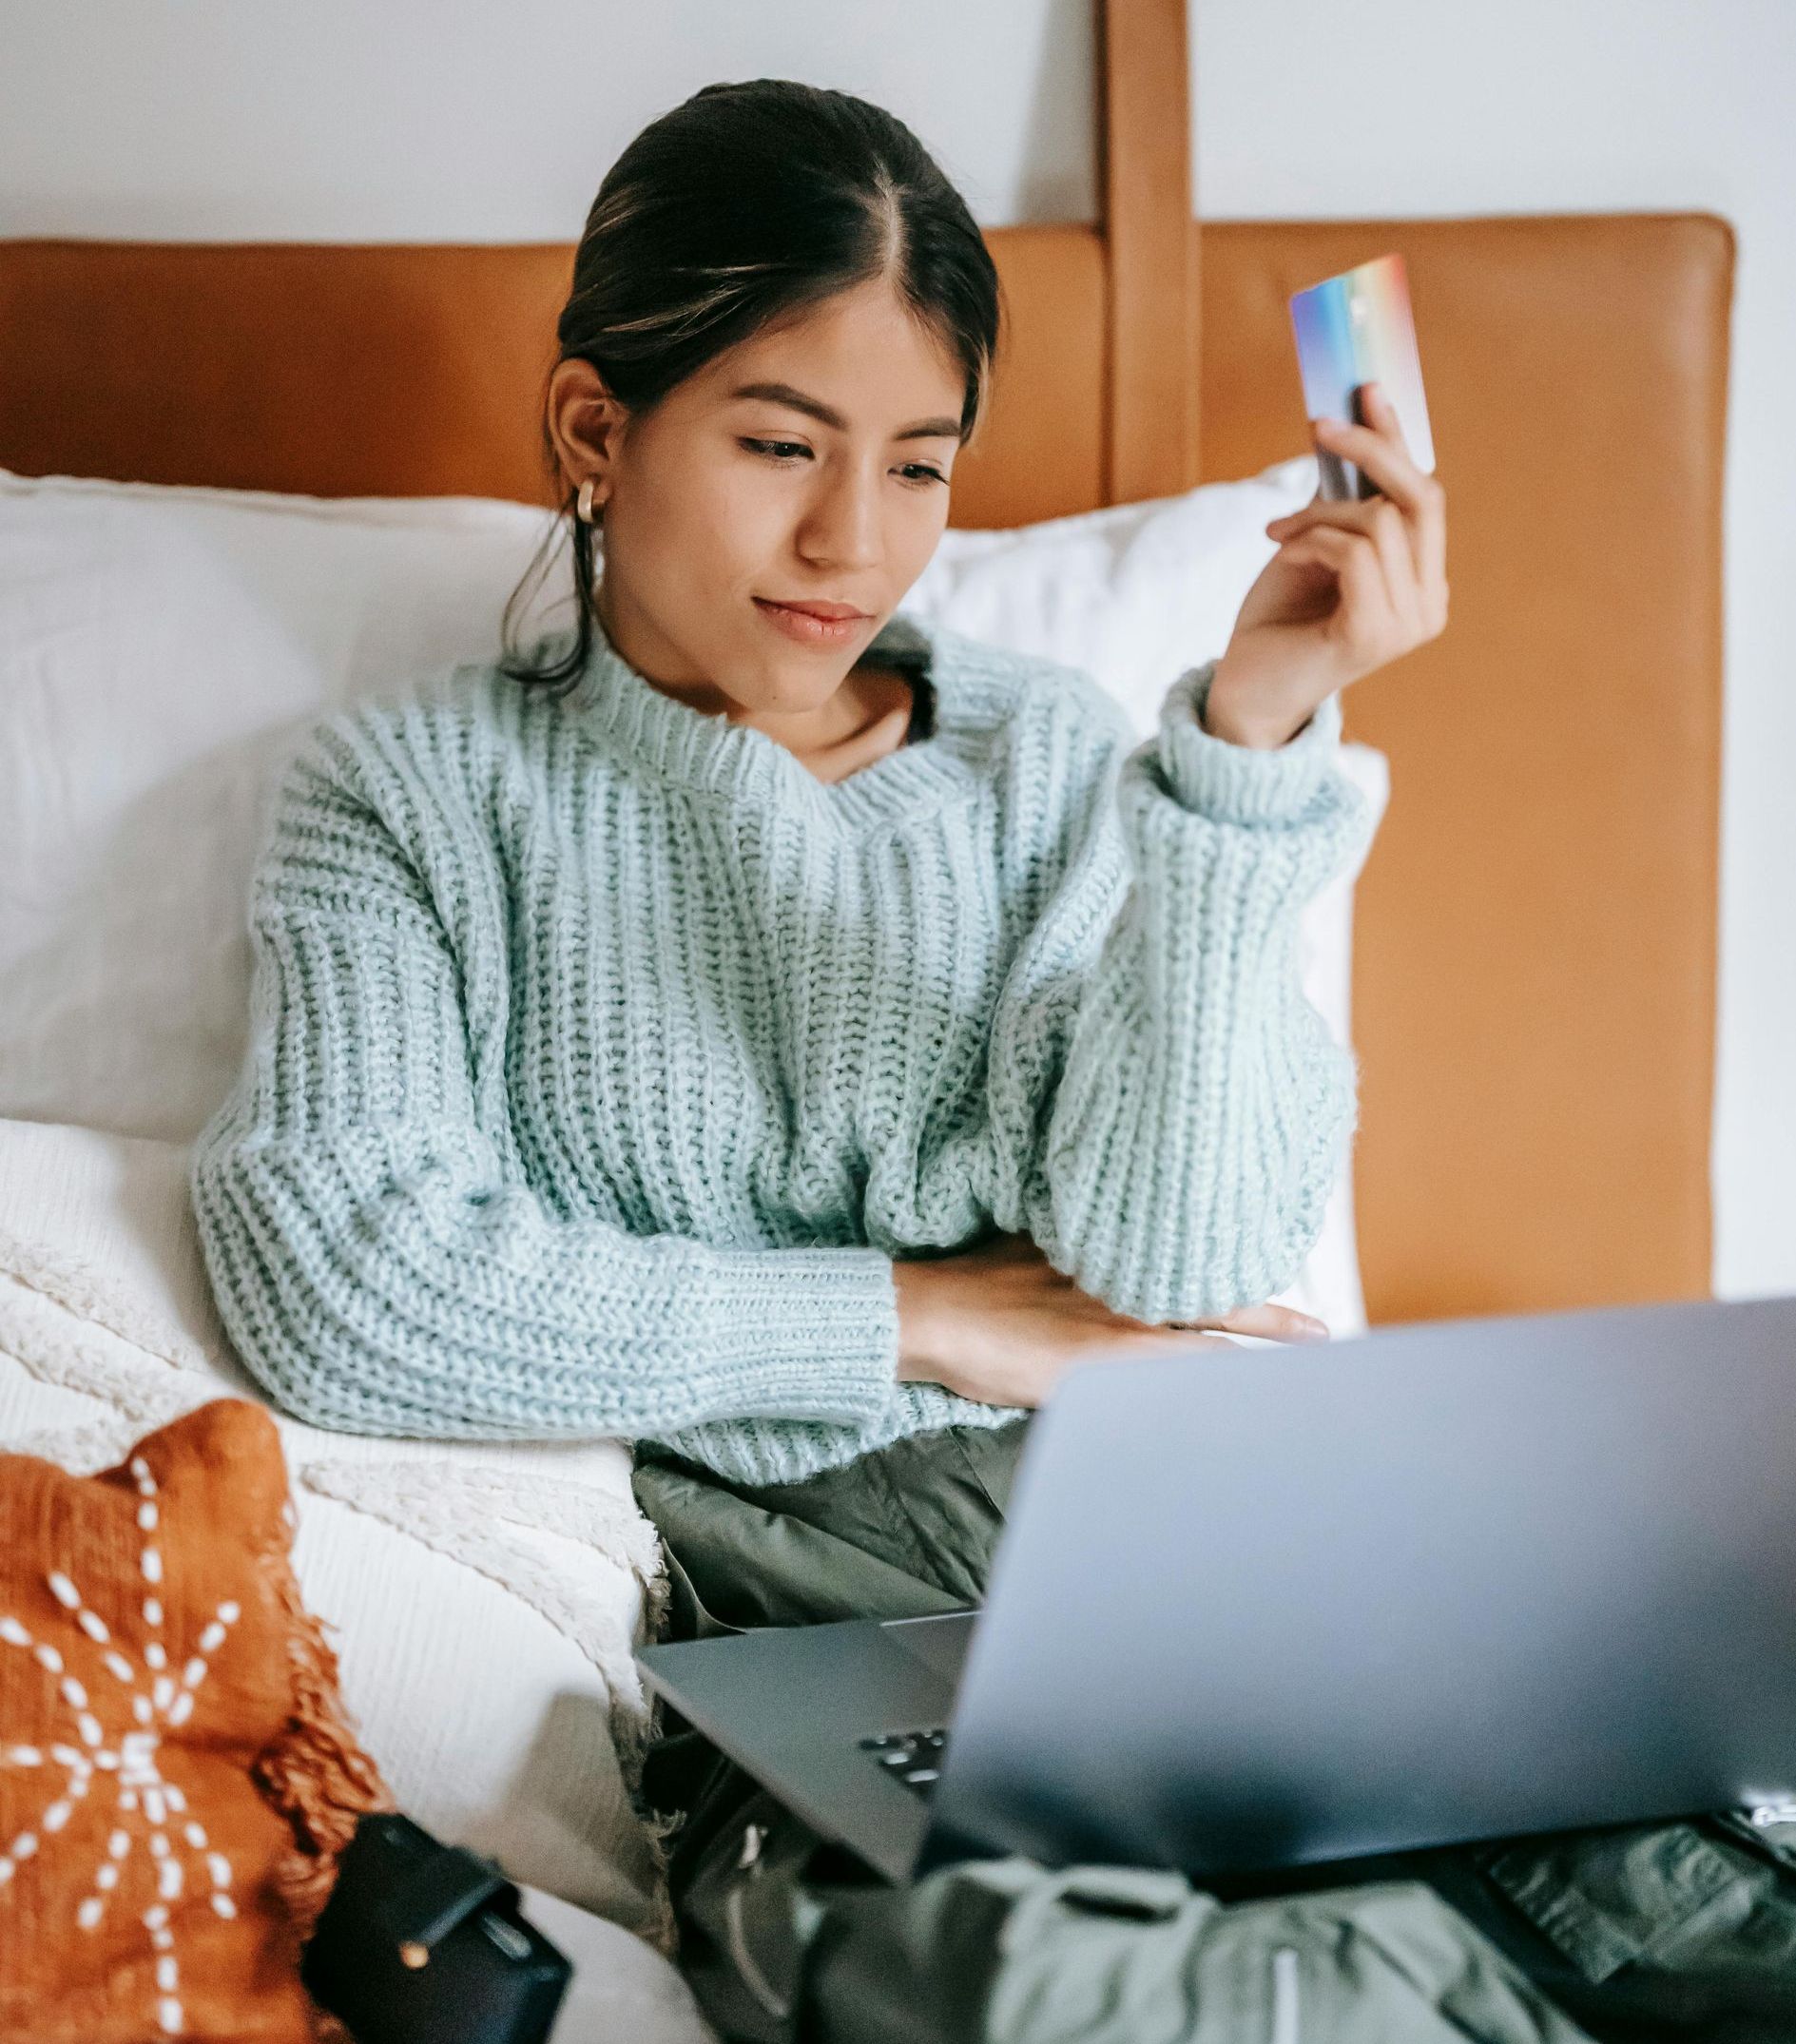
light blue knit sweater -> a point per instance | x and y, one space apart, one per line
602 1057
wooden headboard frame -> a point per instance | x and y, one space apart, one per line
1535 959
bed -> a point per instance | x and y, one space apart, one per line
1534 976
1534 937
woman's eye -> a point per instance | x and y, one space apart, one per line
774 451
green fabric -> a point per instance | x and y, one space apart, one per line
1677 1901
1643 1933
1132 1956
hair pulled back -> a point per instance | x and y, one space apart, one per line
732 212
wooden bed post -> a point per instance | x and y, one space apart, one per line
1150 244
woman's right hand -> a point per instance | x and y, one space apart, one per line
999 1324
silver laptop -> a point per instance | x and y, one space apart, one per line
1258 1610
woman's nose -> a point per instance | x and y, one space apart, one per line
842 525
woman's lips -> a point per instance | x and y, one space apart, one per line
808 629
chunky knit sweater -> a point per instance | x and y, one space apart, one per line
602 1059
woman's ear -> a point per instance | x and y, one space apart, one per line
584 421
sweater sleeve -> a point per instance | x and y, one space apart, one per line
377 1256
1179 1106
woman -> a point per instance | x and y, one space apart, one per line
787 1035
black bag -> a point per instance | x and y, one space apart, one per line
422 1940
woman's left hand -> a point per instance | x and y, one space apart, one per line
1353 586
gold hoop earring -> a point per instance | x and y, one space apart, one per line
583 502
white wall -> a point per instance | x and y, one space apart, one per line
461 120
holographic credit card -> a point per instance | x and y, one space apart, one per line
1354 329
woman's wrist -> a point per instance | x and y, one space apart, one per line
1225 719
911 1281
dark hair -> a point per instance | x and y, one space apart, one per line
739 208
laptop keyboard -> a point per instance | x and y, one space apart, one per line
912 1758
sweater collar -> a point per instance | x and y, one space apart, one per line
699 751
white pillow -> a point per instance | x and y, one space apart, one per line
163 650
485 1598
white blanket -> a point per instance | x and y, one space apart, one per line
484 1599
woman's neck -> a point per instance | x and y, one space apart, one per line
868 716
878 701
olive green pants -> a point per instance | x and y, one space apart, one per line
1678 1931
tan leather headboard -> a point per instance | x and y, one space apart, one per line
1535 938
1535 954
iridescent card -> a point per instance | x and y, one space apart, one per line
1354 328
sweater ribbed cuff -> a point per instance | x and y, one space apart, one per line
1235 783
805 1334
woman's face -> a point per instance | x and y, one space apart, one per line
806 465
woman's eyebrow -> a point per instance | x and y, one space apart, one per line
784 394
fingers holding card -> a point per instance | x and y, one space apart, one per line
1351 330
